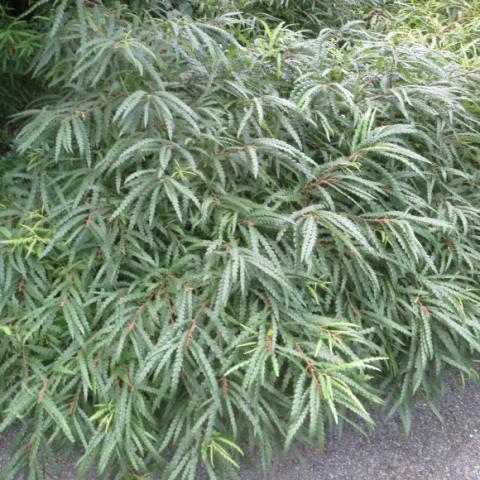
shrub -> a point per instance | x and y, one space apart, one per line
217 232
308 15
18 43
451 26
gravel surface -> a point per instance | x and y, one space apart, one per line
432 452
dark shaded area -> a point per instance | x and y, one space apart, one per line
16 7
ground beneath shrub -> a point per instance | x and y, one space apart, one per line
433 452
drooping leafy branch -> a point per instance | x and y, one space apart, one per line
218 230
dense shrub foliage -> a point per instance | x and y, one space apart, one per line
219 232
451 26
18 45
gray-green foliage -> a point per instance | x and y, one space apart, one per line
209 242
308 15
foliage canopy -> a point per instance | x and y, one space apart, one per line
219 230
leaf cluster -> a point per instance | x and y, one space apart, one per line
207 243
